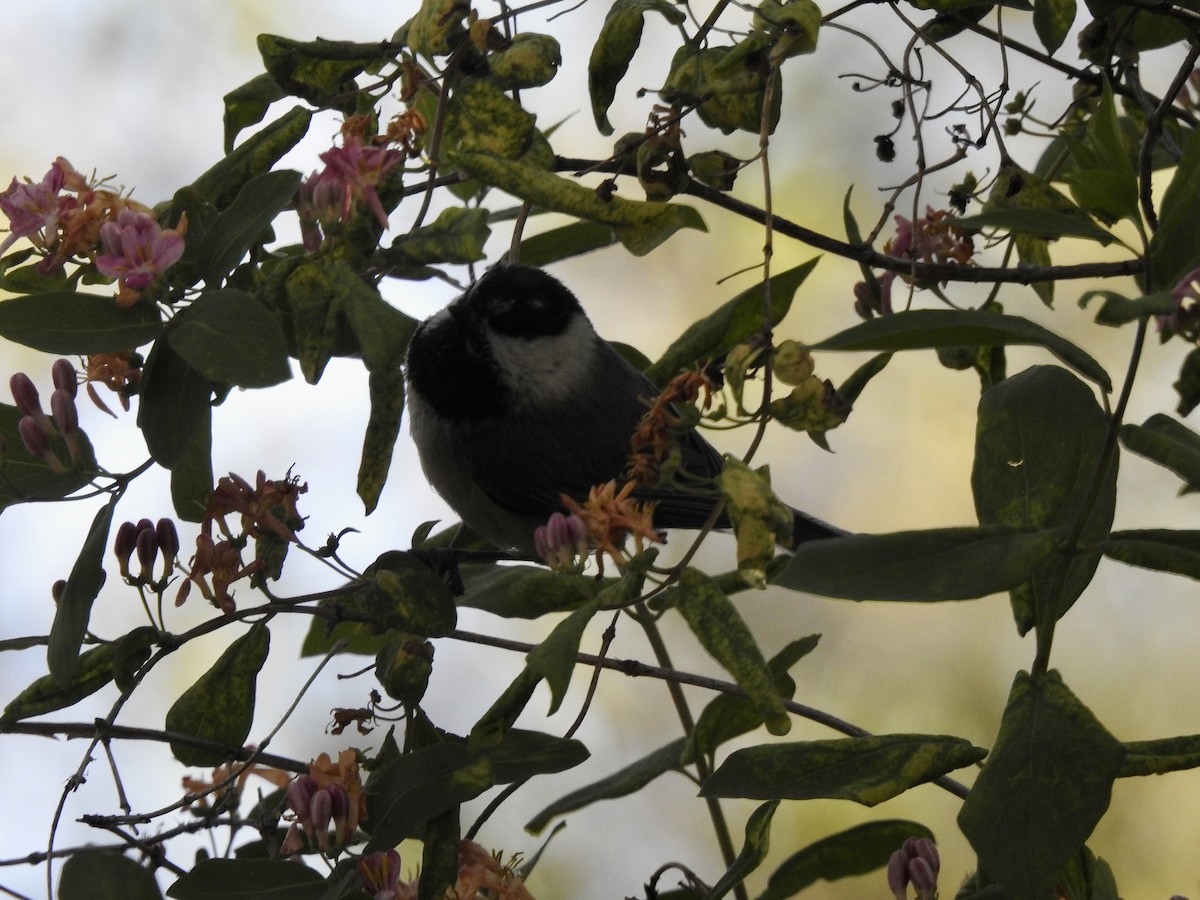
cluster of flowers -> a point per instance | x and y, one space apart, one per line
916 863
267 509
331 794
481 876
351 174
35 428
147 539
599 524
68 217
932 238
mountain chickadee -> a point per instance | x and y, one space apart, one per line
513 399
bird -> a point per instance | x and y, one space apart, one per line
513 400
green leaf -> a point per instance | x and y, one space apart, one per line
530 60
554 658
727 716
257 155
457 236
1043 223
1040 442
1169 443
249 879
1044 787
1175 246
1160 549
734 322
725 636
622 783
521 755
220 705
381 331
132 651
933 565
75 605
386 389
867 770
78 324
25 477
1187 386
1102 177
106 876
173 404
229 337
413 788
640 226
240 227
557 244
728 83
90 671
1118 309
525 592
1052 20
1157 757
321 71
615 46
192 474
401 593
481 118
753 852
935 328
855 851
247 105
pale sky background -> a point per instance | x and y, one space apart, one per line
134 90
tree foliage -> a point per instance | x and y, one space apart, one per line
172 307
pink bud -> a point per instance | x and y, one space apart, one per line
320 811
923 878
168 543
33 436
147 551
63 374
25 395
56 589
62 407
299 798
124 544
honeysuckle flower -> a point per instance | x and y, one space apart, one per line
137 250
932 238
610 515
380 874
916 863
119 372
33 209
561 541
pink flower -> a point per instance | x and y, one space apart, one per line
136 249
351 173
33 209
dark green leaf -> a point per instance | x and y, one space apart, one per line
1187 386
734 322
173 404
321 71
192 475
91 671
439 854
525 592
562 243
724 634
618 40
1160 549
867 770
1167 442
554 658
933 328
382 332
229 337
220 705
258 154
68 322
753 852
855 851
75 605
1040 441
401 593
247 105
1052 20
1044 787
241 226
386 388
640 226
1044 223
249 879
520 755
728 83
1118 309
939 564
1175 246
457 235
414 788
106 876
622 783
26 477
132 650
1157 757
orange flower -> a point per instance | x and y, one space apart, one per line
344 773
654 438
610 515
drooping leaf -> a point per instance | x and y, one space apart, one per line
933 565
1052 20
554 657
1157 757
1175 246
526 592
457 235
220 705
401 593
249 879
192 473
240 226
1161 549
386 389
867 770
622 783
1045 785
855 851
75 605
1169 443
754 850
173 404
257 155
734 322
1040 443
729 84
229 337
619 38
90 671
247 105
934 328
530 60
74 323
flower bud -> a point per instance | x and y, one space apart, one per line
63 374
147 551
124 544
380 873
62 408
320 812
168 543
33 436
340 813
293 842
923 878
57 589
299 799
25 395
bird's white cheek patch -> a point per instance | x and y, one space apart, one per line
546 371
